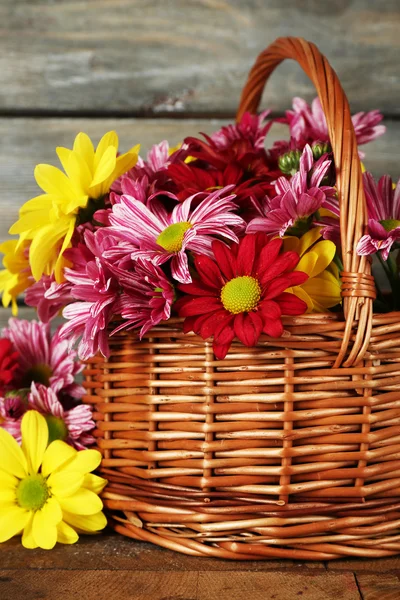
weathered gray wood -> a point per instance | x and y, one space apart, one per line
26 142
187 55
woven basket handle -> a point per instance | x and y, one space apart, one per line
358 289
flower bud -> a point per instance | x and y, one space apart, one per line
289 162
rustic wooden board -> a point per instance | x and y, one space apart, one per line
382 586
187 56
174 585
112 552
26 142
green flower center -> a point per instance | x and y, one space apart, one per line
39 373
241 294
171 238
32 492
57 428
93 205
390 224
300 227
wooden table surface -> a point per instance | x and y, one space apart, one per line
110 567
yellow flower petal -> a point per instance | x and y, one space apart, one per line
109 139
58 270
88 523
7 495
85 461
325 251
54 181
94 483
64 483
51 511
83 502
35 436
28 541
56 456
12 459
65 534
326 293
44 531
13 519
302 294
307 263
84 147
44 245
308 239
7 480
103 170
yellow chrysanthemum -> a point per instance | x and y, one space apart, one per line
322 288
70 198
14 279
47 493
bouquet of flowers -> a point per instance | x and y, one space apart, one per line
222 231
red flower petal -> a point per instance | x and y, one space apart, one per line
199 306
296 278
246 254
208 272
269 310
276 287
268 254
224 334
291 304
248 328
273 328
215 323
225 259
285 262
197 289
220 350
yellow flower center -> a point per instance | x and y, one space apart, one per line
390 224
32 492
57 428
241 294
171 238
39 373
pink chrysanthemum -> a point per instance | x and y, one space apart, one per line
298 199
159 235
383 204
48 297
43 358
251 128
12 409
95 286
147 296
308 124
72 426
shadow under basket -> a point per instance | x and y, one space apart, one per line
289 449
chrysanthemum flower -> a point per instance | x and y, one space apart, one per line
12 409
383 205
147 296
70 198
71 426
47 492
322 288
308 124
242 292
298 199
160 236
48 297
251 129
43 358
9 363
16 276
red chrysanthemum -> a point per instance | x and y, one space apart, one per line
8 364
241 293
249 169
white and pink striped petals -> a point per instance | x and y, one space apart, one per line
45 401
319 171
396 201
180 268
31 340
79 420
367 126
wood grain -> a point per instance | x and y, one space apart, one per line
374 586
26 142
186 56
174 585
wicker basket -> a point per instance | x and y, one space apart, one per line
290 449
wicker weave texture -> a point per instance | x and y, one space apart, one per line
289 449
269 452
